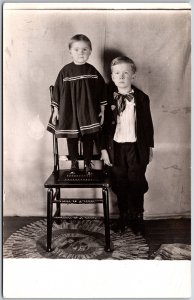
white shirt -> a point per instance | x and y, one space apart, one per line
125 129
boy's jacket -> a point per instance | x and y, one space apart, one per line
144 126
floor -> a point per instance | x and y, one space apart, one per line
157 232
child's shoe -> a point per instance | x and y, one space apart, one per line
88 168
137 225
74 167
120 224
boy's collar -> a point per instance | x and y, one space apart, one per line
128 93
132 88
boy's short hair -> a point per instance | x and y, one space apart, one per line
124 59
78 38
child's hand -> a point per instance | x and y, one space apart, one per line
151 154
55 116
105 157
101 115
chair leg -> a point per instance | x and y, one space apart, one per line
58 205
49 218
56 157
106 219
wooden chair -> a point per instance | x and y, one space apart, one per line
62 179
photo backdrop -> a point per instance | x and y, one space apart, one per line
35 48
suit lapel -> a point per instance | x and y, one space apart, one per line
137 101
114 112
137 106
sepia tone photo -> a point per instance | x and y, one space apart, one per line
97 133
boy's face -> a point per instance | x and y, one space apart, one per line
122 75
80 52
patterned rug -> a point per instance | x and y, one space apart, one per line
75 239
173 251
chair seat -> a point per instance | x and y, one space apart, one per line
65 179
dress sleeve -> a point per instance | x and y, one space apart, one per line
57 91
102 90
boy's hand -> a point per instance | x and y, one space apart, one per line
151 154
55 116
105 157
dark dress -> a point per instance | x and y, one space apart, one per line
78 93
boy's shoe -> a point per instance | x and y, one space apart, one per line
88 168
119 226
74 167
137 225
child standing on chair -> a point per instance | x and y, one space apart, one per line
127 141
79 98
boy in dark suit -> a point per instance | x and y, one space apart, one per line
127 142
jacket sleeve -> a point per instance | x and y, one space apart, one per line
149 124
105 132
109 124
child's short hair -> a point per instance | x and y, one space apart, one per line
124 59
78 38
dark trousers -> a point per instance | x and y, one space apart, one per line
128 178
72 144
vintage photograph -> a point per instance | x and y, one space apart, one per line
96 133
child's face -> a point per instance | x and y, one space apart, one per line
122 75
80 52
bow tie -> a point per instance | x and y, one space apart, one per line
121 100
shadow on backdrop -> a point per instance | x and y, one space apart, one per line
109 55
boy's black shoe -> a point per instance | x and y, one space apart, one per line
118 227
120 224
74 167
88 168
138 229
137 225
